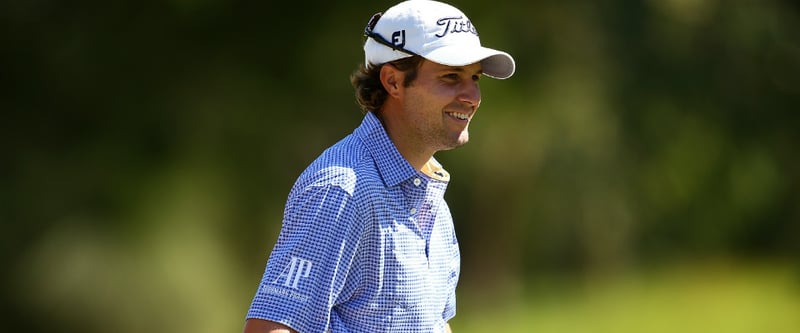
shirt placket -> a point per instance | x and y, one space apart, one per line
420 208
414 190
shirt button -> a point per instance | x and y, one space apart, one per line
417 181
413 210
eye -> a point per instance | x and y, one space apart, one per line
476 77
452 76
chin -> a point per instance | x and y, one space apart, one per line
463 139
459 142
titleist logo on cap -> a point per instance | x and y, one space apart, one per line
452 24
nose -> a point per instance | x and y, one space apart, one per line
471 94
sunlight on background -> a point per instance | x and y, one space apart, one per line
171 272
696 297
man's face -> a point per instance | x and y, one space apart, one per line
439 104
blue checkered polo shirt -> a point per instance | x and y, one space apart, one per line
367 244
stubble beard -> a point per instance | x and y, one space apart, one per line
442 139
436 134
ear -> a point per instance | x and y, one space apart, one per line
391 79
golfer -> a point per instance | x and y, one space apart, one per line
367 242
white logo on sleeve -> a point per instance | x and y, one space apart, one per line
297 268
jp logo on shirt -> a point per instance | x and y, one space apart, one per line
297 268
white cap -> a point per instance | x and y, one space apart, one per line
434 30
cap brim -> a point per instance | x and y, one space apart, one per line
494 63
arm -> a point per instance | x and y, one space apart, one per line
315 260
447 328
254 325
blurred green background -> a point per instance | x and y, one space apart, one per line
639 173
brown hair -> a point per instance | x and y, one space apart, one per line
370 93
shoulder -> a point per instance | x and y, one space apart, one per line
345 165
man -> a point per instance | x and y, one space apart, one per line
367 243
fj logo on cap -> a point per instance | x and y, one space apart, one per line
399 38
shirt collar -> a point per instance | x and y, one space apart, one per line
391 165
434 170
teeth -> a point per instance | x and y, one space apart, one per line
462 116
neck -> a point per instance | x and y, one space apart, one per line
415 153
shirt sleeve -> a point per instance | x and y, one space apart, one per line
308 265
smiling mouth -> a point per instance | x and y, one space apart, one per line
459 115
